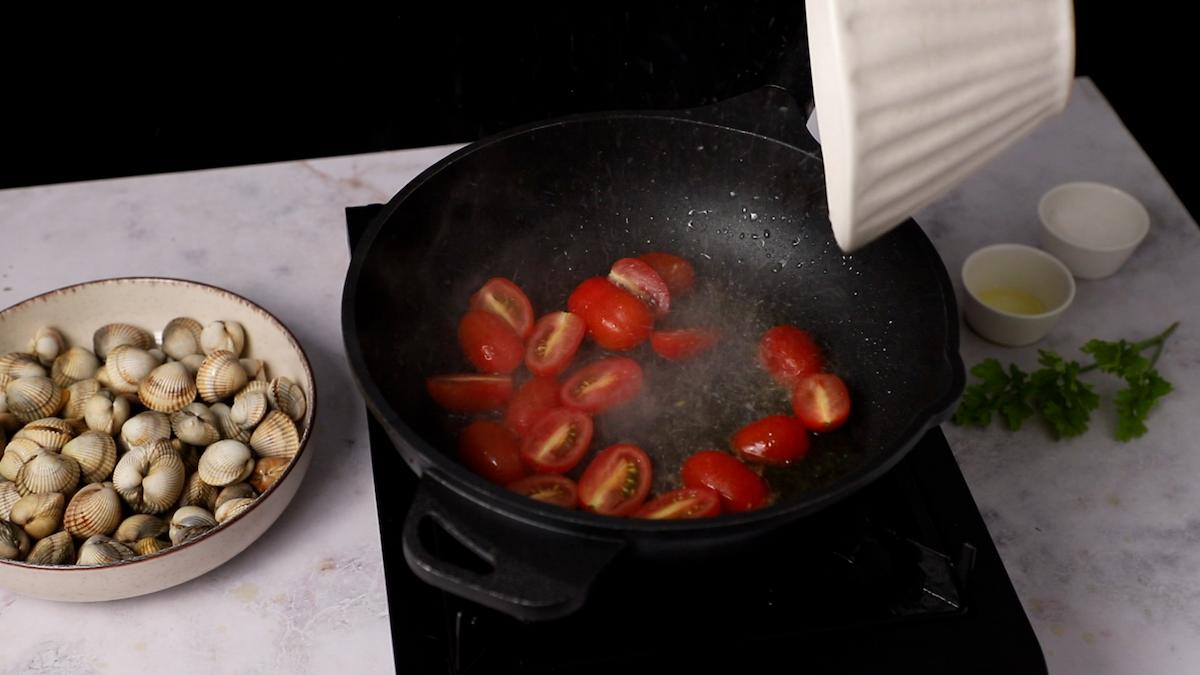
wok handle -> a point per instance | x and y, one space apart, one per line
522 570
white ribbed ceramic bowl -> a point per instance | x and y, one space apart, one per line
77 311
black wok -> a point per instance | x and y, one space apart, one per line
738 189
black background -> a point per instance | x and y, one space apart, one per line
110 95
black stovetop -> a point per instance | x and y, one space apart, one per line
901 577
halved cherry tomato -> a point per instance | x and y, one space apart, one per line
615 319
554 342
507 301
602 385
558 441
682 504
489 449
821 401
550 488
679 345
789 354
489 342
470 393
778 440
740 488
616 482
676 271
533 399
640 279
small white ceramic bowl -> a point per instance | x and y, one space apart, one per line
1015 293
1091 227
77 311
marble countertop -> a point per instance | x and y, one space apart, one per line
1102 539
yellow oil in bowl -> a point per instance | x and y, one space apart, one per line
1012 300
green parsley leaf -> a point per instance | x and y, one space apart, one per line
1000 392
1135 401
1119 358
1063 401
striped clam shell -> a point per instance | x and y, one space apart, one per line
267 471
140 526
275 436
21 364
40 514
220 375
256 369
150 545
167 388
229 428
256 385
190 522
127 366
287 397
47 472
248 409
95 509
16 454
46 345
232 507
223 336
32 398
198 493
103 550
181 337
77 396
192 362
195 424
106 412
145 428
225 462
56 549
8 496
5 378
14 543
96 453
150 478
110 336
48 432
74 365
235 491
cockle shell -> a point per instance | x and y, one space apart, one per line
219 376
34 397
267 470
40 514
225 462
95 509
21 364
181 337
14 543
48 471
127 366
190 522
232 507
235 491
150 478
102 550
74 365
192 363
229 428
223 336
8 496
256 369
140 526
96 453
56 549
198 493
167 388
145 428
48 432
275 436
249 408
195 424
77 396
189 454
16 454
287 397
46 345
110 336
256 385
5 378
150 545
105 412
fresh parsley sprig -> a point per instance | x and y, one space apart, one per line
1059 398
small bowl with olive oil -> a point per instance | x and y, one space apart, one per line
1015 293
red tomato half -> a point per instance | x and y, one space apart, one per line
470 393
533 398
778 440
821 402
616 482
602 385
679 345
789 354
507 301
548 487
489 342
558 441
640 279
682 504
740 488
676 271
615 319
554 342
489 449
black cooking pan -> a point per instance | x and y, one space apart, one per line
738 189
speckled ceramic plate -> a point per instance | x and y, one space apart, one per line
150 303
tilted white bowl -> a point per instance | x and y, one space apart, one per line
77 311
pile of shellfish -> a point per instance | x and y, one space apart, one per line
134 446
